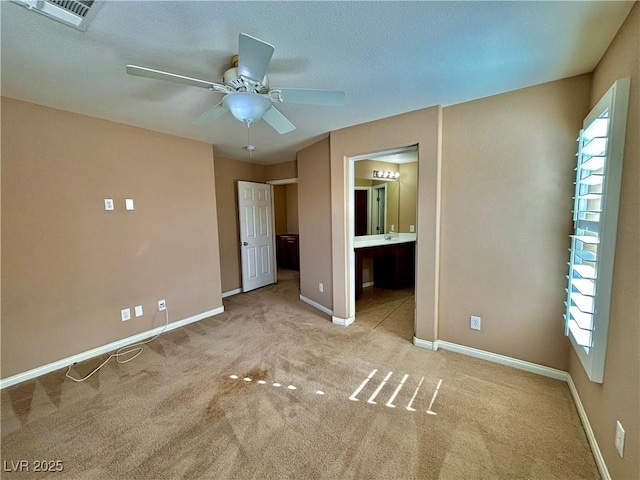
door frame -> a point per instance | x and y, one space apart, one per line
351 256
282 181
376 207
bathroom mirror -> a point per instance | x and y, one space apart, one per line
383 203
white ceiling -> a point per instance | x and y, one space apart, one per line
389 58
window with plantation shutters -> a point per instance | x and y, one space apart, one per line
595 219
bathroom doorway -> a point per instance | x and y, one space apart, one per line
383 234
285 212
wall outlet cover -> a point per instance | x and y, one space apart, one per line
108 203
476 322
162 305
125 314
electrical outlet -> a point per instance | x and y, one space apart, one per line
125 314
162 305
321 287
620 438
138 311
108 203
475 322
412 229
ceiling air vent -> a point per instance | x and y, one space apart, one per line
74 13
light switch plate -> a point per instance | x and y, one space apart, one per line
108 203
128 203
139 311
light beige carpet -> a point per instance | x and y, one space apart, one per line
176 411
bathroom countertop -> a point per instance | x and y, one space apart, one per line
379 240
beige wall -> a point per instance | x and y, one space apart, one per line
408 190
69 266
280 171
314 203
280 208
507 184
421 127
228 172
286 208
618 397
291 190
393 205
359 182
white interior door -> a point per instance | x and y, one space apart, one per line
257 238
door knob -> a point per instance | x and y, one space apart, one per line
245 243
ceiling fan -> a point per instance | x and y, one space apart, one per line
246 90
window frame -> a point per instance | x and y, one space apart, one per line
600 234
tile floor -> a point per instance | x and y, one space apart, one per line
388 310
378 309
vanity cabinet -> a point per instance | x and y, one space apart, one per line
393 265
288 251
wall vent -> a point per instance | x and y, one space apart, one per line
74 13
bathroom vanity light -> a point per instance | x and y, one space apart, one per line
388 175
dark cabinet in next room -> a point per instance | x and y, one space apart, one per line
287 251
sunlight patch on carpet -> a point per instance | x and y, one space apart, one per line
397 397
274 384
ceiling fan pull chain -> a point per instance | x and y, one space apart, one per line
250 146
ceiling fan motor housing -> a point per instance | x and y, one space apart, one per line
231 79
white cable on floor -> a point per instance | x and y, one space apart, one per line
123 351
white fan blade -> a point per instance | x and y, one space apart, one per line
211 114
173 77
311 97
278 121
253 57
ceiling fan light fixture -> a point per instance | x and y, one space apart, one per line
246 107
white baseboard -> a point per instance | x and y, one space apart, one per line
533 368
231 292
504 360
322 308
597 454
65 362
344 322
418 342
